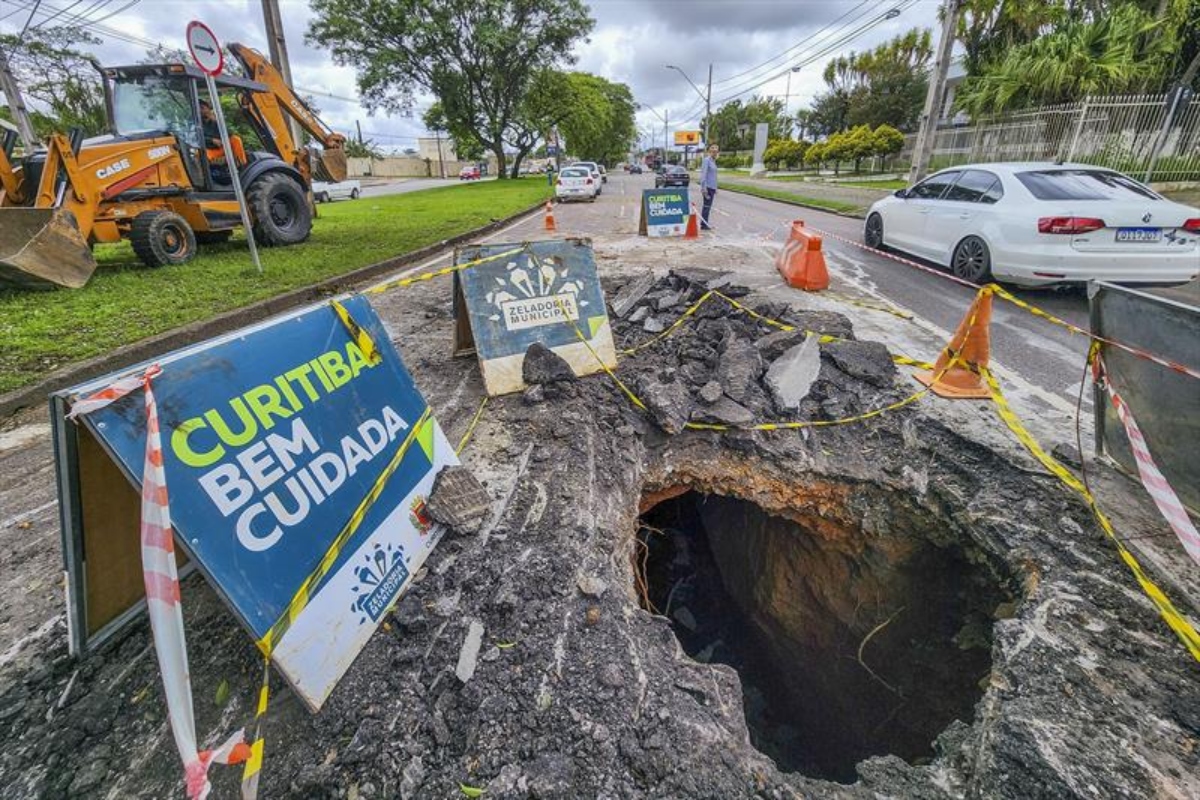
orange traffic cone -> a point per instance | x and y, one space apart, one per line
693 225
802 261
971 343
550 226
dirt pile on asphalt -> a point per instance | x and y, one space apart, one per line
526 662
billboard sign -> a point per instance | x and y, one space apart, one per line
540 294
664 212
687 138
297 464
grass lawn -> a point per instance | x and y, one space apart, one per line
126 301
792 197
891 185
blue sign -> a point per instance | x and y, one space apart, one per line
272 438
541 294
664 212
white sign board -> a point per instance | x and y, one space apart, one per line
204 47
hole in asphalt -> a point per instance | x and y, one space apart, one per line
849 644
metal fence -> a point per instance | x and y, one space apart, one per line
1151 137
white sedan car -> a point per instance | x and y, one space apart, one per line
1038 224
576 183
326 192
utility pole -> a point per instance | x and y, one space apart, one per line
277 45
358 125
708 108
927 133
16 104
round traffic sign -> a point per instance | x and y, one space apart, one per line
205 48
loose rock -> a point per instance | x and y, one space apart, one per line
867 361
542 365
458 500
739 367
790 377
669 403
468 657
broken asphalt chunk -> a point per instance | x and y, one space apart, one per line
867 361
630 294
468 657
791 376
669 403
458 500
542 365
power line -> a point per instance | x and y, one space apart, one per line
829 48
804 42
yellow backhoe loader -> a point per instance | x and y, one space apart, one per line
156 179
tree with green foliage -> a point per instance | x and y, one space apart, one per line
785 153
367 148
1124 51
733 124
466 146
478 57
887 141
602 127
58 78
1021 53
883 85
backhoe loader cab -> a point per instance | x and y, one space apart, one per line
159 177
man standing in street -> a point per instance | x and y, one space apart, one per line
708 185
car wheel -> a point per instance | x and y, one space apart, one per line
873 233
972 261
354 194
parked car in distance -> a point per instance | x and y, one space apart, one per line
603 173
576 182
327 192
595 170
1040 224
672 175
635 169
469 173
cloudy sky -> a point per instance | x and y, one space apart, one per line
752 45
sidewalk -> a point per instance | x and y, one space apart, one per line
816 192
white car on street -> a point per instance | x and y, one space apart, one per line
1038 224
325 192
596 174
576 183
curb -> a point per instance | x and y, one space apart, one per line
733 187
130 354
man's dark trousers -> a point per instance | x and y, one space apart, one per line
709 194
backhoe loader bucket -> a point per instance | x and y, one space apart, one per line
41 248
328 165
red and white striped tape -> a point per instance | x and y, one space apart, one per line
162 589
1156 485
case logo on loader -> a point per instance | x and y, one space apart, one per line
113 168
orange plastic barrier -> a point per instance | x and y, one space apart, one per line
971 344
802 263
550 226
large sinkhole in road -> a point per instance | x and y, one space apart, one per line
848 645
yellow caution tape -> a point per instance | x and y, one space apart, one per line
1186 633
255 759
462 443
437 273
302 597
823 338
360 336
778 426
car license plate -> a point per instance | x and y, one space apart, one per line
1139 234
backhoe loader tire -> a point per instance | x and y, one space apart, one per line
213 237
162 238
280 210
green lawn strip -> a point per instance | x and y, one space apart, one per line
126 301
890 185
793 198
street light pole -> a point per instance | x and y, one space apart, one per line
707 98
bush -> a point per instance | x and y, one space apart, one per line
729 160
785 154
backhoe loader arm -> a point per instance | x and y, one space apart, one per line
269 108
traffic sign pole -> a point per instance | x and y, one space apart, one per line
233 170
206 51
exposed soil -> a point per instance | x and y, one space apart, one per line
580 691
